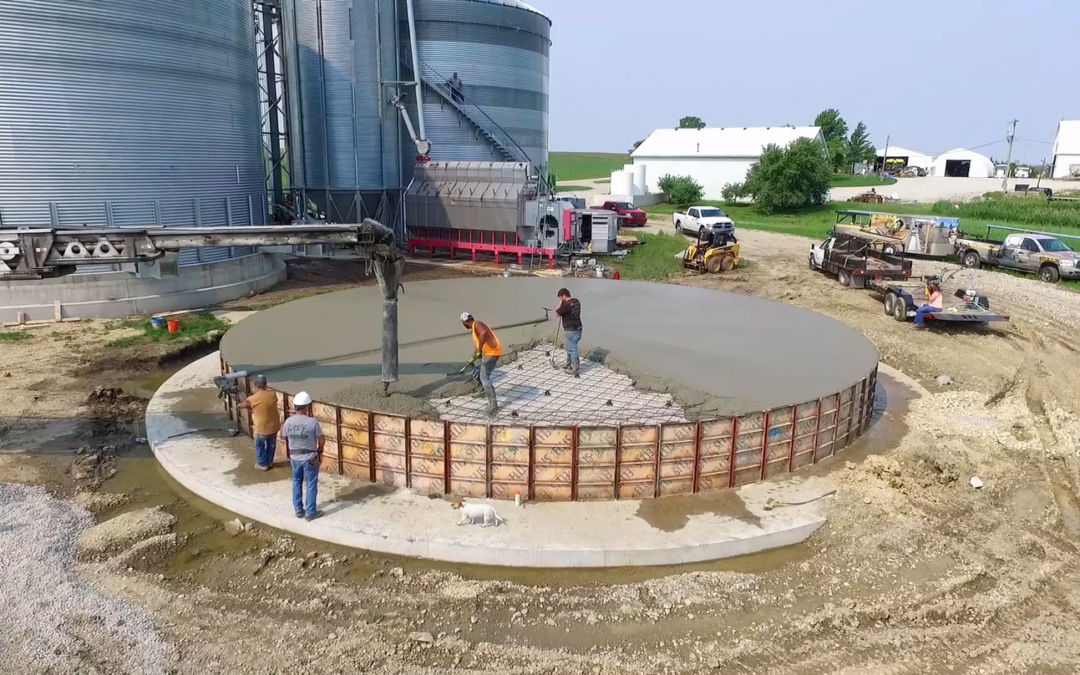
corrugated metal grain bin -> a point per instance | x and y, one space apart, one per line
130 112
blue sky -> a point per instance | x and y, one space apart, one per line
934 75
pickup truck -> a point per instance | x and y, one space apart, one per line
854 261
698 219
1040 254
627 213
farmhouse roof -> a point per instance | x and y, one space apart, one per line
720 141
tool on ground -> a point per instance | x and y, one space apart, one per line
773 503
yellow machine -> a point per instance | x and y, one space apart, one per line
712 253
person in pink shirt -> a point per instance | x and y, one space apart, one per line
934 303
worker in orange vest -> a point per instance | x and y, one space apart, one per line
488 350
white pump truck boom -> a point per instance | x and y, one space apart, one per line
29 254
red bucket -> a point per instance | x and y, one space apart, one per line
174 325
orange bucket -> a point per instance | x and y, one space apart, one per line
174 325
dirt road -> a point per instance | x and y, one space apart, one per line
916 572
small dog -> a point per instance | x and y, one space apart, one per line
470 513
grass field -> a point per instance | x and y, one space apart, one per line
818 221
850 180
578 165
571 188
193 328
654 259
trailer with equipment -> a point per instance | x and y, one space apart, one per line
854 260
968 306
930 236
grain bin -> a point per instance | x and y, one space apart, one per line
500 50
128 113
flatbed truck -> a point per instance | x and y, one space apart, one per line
855 260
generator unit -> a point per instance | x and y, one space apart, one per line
491 207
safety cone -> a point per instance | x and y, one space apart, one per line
617 277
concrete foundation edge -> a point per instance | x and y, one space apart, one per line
470 553
197 286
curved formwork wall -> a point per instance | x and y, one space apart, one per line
581 463
500 50
130 113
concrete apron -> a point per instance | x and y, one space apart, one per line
186 427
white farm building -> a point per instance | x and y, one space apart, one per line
905 156
713 157
1067 150
961 163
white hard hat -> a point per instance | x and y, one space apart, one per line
302 399
465 316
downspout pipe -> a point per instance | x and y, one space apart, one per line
416 71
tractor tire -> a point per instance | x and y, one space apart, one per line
890 303
1049 274
971 260
714 264
727 263
844 277
900 310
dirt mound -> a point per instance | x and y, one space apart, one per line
122 532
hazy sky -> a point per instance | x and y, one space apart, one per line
933 74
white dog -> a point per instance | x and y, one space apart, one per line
471 512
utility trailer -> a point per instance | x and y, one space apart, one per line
855 260
966 307
929 236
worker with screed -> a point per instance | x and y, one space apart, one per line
570 310
488 350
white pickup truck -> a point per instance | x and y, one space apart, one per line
699 219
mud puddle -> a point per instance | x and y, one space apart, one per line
146 386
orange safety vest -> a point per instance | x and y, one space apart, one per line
487 350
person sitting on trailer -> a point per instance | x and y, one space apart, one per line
935 303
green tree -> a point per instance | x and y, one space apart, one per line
637 144
682 191
691 123
834 129
789 178
859 147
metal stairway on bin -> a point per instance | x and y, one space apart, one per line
490 129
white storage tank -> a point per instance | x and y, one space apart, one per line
640 186
622 183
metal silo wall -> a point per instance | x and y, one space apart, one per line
344 133
130 112
501 52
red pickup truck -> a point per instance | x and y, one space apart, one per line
629 214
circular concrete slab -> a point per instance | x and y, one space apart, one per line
718 353
188 434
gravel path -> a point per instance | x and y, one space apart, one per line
51 621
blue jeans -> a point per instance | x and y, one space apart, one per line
305 477
920 314
487 366
573 337
265 448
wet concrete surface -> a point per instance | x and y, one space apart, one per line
748 354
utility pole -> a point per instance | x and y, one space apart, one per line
884 157
1008 158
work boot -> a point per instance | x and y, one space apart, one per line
569 363
492 407
575 367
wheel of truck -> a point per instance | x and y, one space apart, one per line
889 250
678 228
701 232
899 309
1049 274
844 277
714 264
972 261
890 303
727 263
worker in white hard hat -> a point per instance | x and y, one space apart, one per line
305 438
488 350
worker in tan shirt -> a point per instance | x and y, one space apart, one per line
266 422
